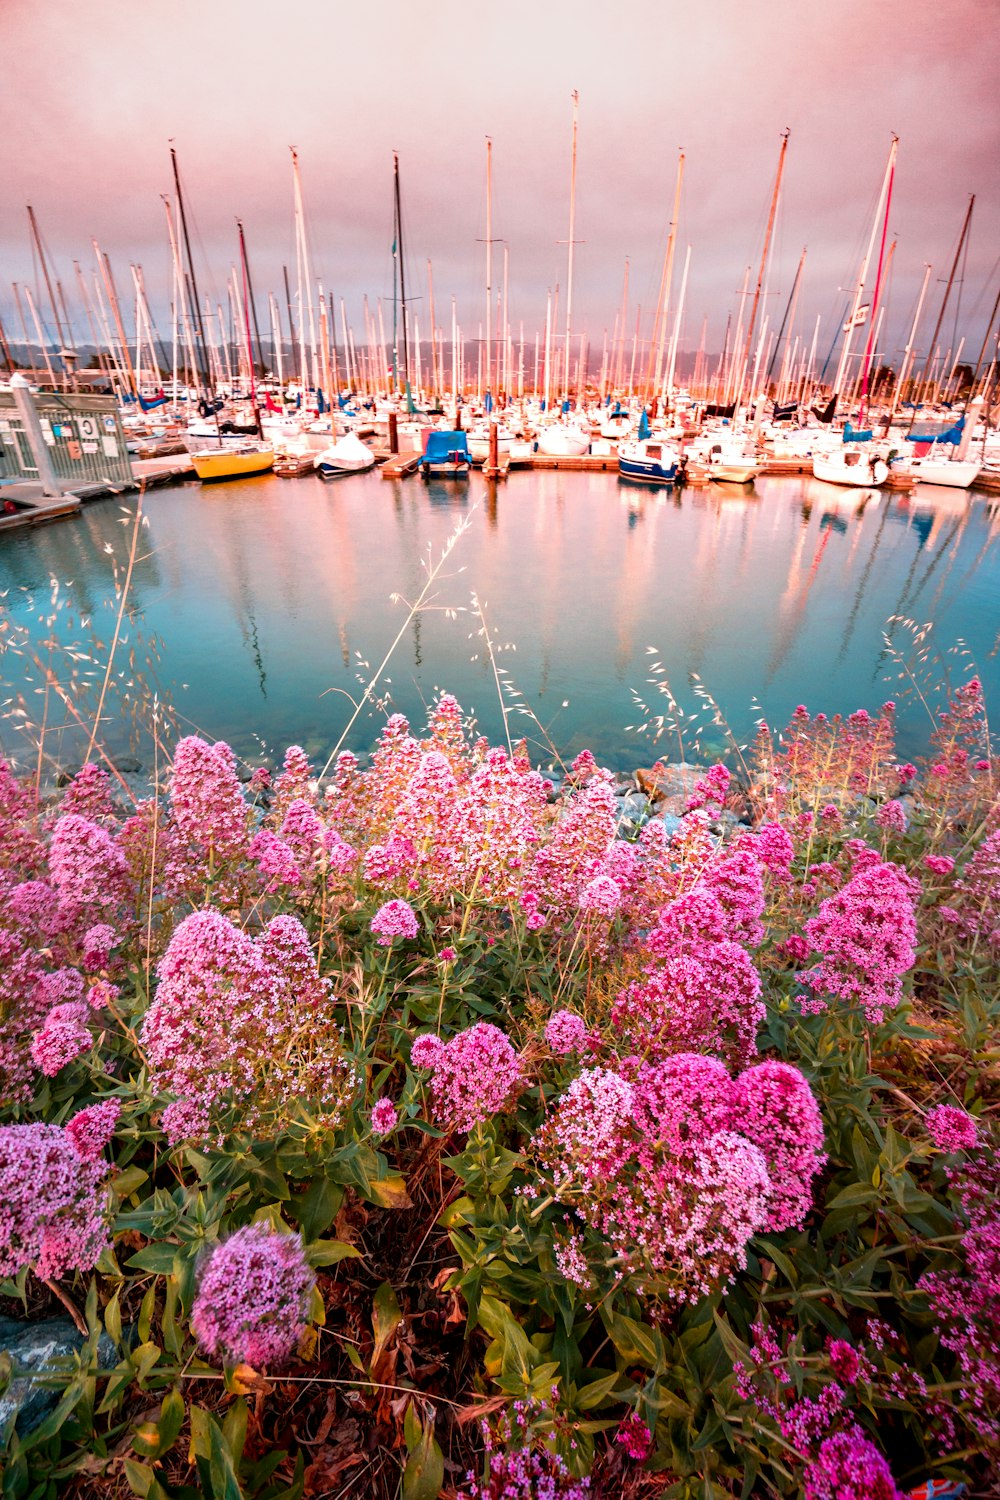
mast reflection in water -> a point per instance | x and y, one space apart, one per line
270 596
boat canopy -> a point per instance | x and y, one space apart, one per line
854 435
644 428
951 434
446 447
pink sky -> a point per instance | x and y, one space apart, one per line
94 92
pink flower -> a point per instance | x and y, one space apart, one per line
847 1466
185 1120
91 1129
951 1129
635 1437
53 1206
777 1111
565 1032
394 919
384 1117
97 945
844 1360
774 848
426 1050
207 798
341 857
447 955
101 994
252 1299
906 773
477 1074
892 815
86 864
602 894
939 864
867 936
712 789
64 1035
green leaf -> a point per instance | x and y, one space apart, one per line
319 1207
386 1318
113 1319
139 1476
329 1252
157 1258
125 1183
389 1192
588 1397
424 1472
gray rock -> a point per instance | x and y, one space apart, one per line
39 1346
634 808
127 765
670 821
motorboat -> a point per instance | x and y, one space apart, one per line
348 455
651 460
446 456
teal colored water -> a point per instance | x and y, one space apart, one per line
268 596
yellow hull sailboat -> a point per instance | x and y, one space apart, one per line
215 464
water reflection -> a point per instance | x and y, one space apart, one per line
273 597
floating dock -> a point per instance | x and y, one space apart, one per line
398 465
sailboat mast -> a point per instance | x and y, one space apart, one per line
195 299
45 272
951 278
767 245
246 327
402 271
572 232
655 361
852 318
489 255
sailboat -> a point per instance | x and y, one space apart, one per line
248 459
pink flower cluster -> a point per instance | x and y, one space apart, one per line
63 1035
565 1032
209 809
92 1128
477 1074
951 1129
53 1205
711 790
394 919
384 1117
86 864
520 1467
244 1021
866 934
677 1165
635 1437
252 1299
704 992
848 1466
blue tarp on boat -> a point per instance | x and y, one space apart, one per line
948 435
853 435
643 426
445 448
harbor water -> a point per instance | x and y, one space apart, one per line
566 603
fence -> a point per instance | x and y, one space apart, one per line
83 437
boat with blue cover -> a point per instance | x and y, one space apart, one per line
446 456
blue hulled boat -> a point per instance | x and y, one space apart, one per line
652 460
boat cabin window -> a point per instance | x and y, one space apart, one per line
852 458
653 450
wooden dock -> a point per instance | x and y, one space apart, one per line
31 507
987 480
592 461
499 470
398 465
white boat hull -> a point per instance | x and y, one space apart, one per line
851 466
